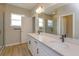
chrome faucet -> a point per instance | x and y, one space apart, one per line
62 37
38 32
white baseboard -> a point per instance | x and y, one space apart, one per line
14 44
23 42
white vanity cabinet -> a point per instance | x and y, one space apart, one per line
46 50
37 48
32 46
29 43
41 51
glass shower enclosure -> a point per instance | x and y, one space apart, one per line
1 30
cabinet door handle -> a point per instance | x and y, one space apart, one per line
35 42
37 50
29 42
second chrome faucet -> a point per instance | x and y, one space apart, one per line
62 37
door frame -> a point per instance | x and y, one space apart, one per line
60 18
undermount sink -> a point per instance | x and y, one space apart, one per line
62 45
47 39
58 44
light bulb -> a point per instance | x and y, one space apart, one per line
39 10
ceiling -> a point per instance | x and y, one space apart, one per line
49 7
28 6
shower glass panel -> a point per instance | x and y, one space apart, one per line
1 31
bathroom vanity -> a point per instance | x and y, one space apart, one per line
51 45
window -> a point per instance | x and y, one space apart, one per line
50 23
15 20
40 22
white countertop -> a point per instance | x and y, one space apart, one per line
66 48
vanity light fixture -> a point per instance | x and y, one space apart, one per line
40 9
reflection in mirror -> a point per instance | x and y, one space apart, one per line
41 24
56 15
49 26
67 25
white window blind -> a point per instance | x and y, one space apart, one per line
15 20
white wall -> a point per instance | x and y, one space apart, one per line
26 28
11 36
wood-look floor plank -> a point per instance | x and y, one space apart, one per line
26 50
17 50
3 51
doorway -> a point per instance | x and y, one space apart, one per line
68 25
